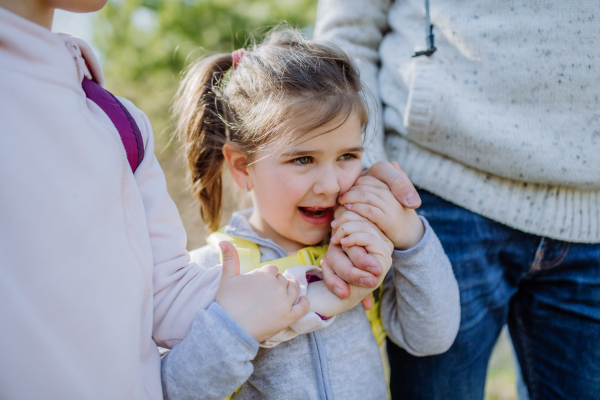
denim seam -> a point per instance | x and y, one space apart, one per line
537 258
539 265
529 369
558 259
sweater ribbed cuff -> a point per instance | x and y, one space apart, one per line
556 212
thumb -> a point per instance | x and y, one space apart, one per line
231 260
299 309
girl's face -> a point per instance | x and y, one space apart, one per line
295 192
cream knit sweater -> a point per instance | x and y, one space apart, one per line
503 120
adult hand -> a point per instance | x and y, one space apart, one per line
262 302
398 182
358 267
371 201
340 268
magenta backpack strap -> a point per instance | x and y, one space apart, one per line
121 119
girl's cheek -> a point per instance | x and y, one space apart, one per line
349 176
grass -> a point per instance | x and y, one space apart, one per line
501 376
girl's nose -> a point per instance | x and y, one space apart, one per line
327 182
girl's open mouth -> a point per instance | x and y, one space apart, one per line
316 215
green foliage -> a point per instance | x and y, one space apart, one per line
145 44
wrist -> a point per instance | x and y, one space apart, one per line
412 232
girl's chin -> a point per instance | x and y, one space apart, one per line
314 238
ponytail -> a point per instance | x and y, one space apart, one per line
279 90
202 133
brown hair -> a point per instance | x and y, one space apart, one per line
285 86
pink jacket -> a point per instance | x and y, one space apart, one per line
93 267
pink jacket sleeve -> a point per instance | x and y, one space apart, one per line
180 288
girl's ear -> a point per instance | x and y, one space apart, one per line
237 161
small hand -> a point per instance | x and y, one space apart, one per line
373 200
363 237
353 230
262 302
340 268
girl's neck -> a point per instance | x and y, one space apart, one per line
259 226
35 11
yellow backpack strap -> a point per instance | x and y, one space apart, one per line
374 316
311 255
248 251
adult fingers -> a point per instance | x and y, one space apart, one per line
398 182
367 302
299 309
334 283
231 260
363 260
343 268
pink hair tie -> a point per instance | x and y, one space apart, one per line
236 57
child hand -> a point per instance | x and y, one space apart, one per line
262 302
342 267
373 200
353 231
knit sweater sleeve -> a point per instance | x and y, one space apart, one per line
420 308
358 26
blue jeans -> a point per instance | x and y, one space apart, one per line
547 291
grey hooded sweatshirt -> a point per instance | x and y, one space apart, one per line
420 311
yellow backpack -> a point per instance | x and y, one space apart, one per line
249 255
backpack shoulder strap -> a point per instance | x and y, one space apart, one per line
121 119
249 253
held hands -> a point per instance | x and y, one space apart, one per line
358 267
262 302
352 230
358 233
372 199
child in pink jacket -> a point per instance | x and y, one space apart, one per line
94 273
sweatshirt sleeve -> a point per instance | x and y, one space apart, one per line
212 361
358 26
180 288
420 306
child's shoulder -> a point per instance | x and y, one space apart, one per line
89 63
208 256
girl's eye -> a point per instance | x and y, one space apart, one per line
302 160
347 156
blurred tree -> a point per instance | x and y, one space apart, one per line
146 44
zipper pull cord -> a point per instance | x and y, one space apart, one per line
428 35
